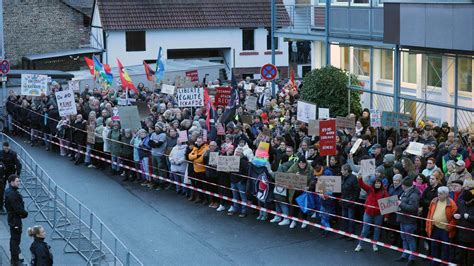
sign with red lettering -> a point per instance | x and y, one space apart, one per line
388 205
222 96
327 137
193 74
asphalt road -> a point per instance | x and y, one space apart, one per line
162 228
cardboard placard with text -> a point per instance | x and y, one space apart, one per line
228 163
291 181
388 205
332 183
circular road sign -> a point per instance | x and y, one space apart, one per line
268 72
4 67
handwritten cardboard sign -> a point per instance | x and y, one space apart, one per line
395 120
367 167
213 158
375 118
183 136
291 181
66 103
251 103
167 89
228 163
91 134
388 205
190 97
345 122
247 119
306 111
332 183
415 148
323 113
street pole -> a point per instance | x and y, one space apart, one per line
2 55
273 41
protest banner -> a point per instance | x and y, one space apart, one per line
183 136
356 146
222 97
193 75
66 103
415 148
228 163
91 134
190 97
247 119
327 137
388 205
167 89
34 85
213 158
220 129
73 85
367 167
291 181
313 128
375 118
323 113
395 120
306 111
345 122
129 117
251 103
332 183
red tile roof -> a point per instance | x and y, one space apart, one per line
181 14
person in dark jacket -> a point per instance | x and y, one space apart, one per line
79 137
40 250
16 212
238 184
350 191
465 219
11 165
408 204
395 189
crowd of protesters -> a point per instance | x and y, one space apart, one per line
435 190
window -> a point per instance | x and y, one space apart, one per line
135 41
361 62
435 66
386 64
465 74
408 67
345 63
269 40
248 40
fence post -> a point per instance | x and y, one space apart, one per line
55 208
127 261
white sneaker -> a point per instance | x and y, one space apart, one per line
375 248
313 216
231 209
304 225
358 248
275 219
284 222
293 224
221 208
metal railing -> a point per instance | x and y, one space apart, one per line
70 220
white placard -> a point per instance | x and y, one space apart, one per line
213 158
388 205
356 146
66 103
332 183
375 118
367 167
228 163
73 85
323 113
122 101
34 85
167 89
415 148
306 111
251 103
190 97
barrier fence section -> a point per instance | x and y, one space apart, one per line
71 221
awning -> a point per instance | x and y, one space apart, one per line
63 53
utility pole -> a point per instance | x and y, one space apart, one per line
273 11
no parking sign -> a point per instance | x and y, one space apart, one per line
269 72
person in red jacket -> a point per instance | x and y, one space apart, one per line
372 212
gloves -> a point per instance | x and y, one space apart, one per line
466 215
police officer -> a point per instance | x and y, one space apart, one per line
9 165
40 250
16 211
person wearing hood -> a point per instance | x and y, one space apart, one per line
178 164
372 212
465 219
302 167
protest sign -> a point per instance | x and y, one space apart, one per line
73 85
313 128
327 137
122 101
262 150
167 89
332 183
251 103
345 122
323 113
228 163
247 119
395 120
129 117
415 148
66 103
193 75
34 85
190 97
388 205
367 167
91 134
375 118
204 135
220 129
143 110
356 146
306 111
213 158
222 97
291 181
183 136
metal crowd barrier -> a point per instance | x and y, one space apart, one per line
71 221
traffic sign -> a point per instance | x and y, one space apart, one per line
268 72
4 67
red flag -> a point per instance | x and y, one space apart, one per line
292 76
125 78
90 65
149 72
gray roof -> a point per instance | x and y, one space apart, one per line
62 53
